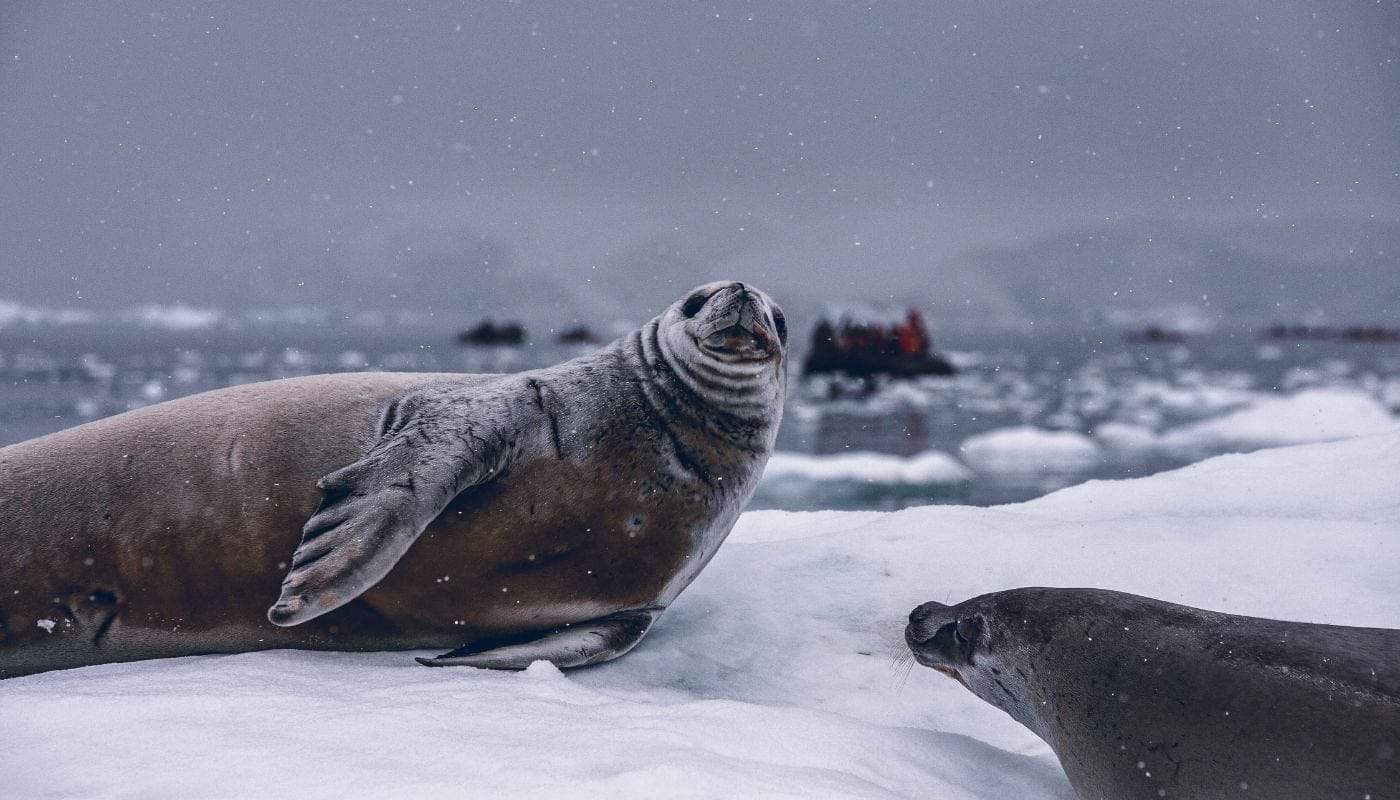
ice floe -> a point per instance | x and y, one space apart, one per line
772 676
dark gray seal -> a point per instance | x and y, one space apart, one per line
1145 699
550 514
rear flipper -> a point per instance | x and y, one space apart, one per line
578 645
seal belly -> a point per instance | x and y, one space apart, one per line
548 545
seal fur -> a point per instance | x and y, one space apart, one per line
1143 698
547 514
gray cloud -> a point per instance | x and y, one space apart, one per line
600 155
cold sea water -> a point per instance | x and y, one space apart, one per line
1025 415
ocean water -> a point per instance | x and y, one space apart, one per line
1025 415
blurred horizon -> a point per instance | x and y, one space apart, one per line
1197 164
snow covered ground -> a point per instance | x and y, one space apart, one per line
772 676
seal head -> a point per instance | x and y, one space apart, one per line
971 644
726 342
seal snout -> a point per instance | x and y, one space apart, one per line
925 611
741 338
925 622
941 639
734 320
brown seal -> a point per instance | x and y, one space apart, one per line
549 514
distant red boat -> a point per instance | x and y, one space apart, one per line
865 349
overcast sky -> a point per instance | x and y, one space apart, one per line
234 153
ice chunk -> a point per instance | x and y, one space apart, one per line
932 467
1028 449
1313 415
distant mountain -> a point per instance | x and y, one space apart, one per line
1250 274
1170 273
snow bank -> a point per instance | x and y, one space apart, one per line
861 480
1129 443
933 467
1313 415
772 676
1197 400
176 318
1026 449
12 314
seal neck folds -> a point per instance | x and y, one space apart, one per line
720 349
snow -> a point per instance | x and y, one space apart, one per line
772 676
860 480
932 467
177 317
16 314
1130 443
1026 448
1311 415
1194 401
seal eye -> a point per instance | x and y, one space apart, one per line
968 630
780 322
694 303
956 642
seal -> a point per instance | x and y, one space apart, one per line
1141 698
550 514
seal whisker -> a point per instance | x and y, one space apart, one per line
903 668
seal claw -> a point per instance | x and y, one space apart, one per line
287 611
578 645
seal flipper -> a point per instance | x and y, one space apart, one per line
373 510
579 645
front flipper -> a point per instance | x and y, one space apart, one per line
580 645
373 510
